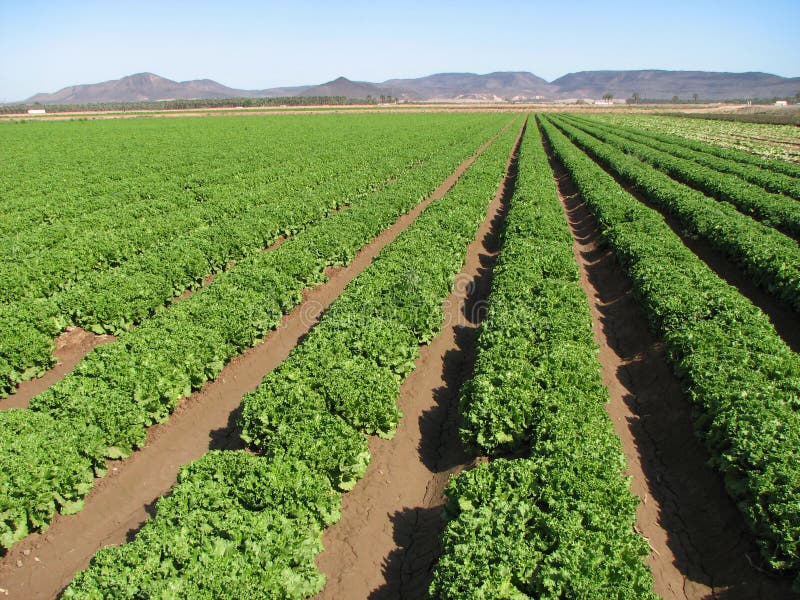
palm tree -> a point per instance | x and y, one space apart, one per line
608 97
635 97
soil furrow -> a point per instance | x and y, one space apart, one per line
701 545
387 541
70 348
42 565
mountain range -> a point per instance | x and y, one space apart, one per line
517 85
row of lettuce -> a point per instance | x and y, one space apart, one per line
116 261
557 522
50 452
775 210
769 175
741 377
770 258
759 145
248 525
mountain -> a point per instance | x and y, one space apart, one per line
516 85
344 87
493 86
684 84
277 92
137 88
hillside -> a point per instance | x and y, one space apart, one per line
684 84
344 87
492 86
137 88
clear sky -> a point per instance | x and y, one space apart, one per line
46 45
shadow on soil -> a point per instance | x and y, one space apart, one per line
228 437
440 448
407 570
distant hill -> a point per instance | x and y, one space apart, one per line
517 85
684 84
493 86
344 87
137 88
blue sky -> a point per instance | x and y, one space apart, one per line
245 44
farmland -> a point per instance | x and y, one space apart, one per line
445 355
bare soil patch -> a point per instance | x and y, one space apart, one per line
701 546
42 565
387 541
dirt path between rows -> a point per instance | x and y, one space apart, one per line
387 541
41 565
701 546
70 348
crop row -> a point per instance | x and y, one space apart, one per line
139 207
62 173
38 261
771 259
312 413
48 453
742 379
736 141
559 523
112 300
237 525
705 154
773 209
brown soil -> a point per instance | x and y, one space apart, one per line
70 347
701 546
387 541
41 565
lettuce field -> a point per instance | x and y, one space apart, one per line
473 355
